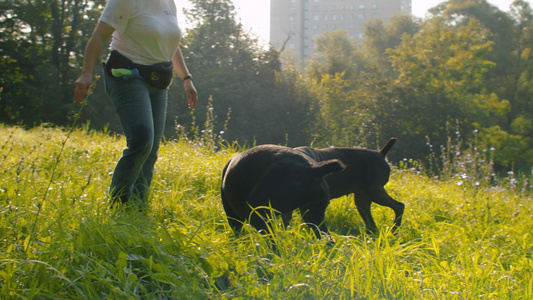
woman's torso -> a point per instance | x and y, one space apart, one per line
146 31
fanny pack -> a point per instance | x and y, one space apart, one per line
157 75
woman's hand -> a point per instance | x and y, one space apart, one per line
82 87
190 91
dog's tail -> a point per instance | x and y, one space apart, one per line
387 147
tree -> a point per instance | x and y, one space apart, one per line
41 44
346 77
510 78
335 55
380 37
513 141
229 66
341 116
440 81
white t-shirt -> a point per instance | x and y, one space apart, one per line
146 31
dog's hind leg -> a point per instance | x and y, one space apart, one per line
233 219
383 198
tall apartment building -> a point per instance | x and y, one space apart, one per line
295 24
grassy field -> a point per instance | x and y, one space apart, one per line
466 235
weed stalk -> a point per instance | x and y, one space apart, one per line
31 235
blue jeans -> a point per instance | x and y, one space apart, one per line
142 111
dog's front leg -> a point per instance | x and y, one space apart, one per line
363 204
315 217
258 219
286 218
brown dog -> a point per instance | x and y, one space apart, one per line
278 177
365 176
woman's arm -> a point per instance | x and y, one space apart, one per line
102 32
180 68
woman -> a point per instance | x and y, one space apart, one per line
145 45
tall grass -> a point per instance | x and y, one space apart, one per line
61 240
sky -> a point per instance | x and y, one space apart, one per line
255 14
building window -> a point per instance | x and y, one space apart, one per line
316 18
316 8
375 15
361 16
375 6
325 27
291 46
314 26
333 8
362 7
292 18
325 8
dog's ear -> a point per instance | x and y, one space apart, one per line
324 168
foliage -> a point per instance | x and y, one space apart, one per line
334 56
462 237
340 118
412 78
230 67
509 79
380 37
41 46
440 73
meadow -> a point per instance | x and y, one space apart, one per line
467 234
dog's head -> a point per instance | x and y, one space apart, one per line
319 170
288 184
